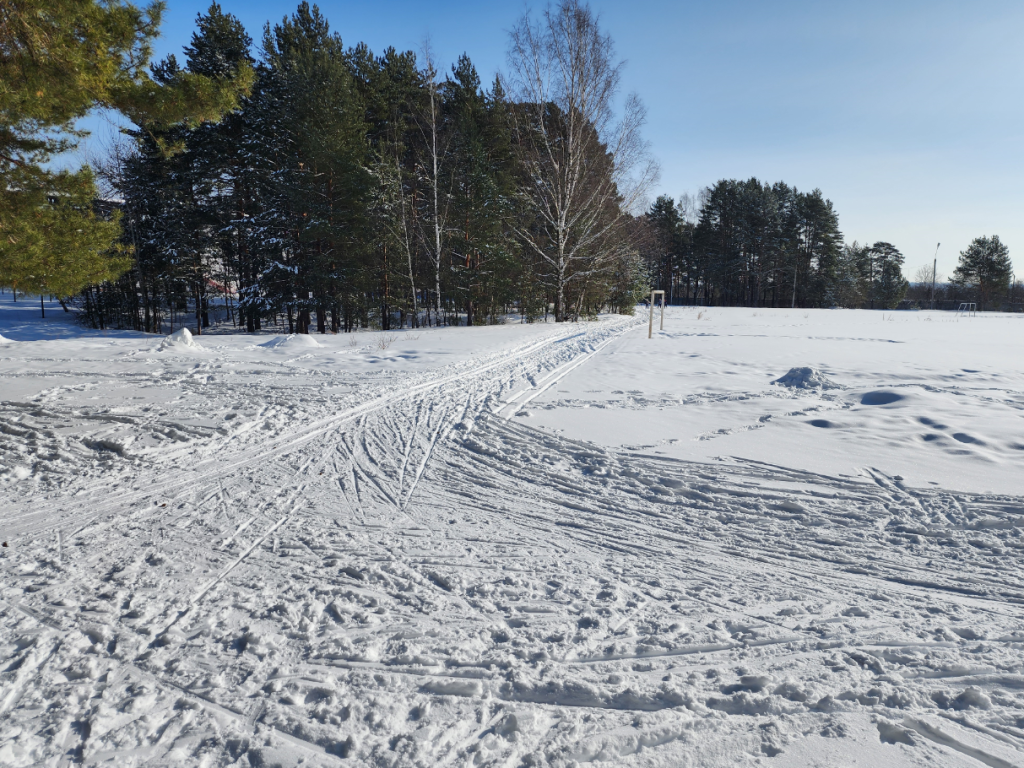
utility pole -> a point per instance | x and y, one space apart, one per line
935 264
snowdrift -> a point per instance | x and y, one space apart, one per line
806 378
292 343
181 338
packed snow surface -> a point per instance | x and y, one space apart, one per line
517 545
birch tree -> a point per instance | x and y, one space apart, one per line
584 172
434 170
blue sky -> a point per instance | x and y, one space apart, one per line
906 114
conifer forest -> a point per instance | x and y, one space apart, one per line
353 188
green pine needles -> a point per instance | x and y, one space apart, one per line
60 59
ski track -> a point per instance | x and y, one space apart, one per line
421 580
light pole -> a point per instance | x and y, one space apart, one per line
935 264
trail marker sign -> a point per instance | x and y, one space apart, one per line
650 321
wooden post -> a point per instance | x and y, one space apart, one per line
650 320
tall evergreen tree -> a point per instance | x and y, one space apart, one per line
664 251
887 284
985 268
322 171
820 248
482 245
391 90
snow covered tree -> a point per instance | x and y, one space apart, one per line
984 268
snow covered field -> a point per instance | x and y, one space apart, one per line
516 545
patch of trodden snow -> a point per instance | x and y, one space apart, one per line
304 557
806 378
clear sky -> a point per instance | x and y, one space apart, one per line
907 114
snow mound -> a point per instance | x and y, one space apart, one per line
806 378
180 338
292 341
5 340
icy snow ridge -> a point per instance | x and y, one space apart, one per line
806 378
180 338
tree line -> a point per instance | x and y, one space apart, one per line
749 243
350 189
304 182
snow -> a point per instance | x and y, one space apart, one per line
923 395
180 338
292 342
806 378
516 545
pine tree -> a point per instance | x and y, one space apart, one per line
482 247
887 284
219 48
664 254
391 91
62 58
323 169
984 268
820 247
850 284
